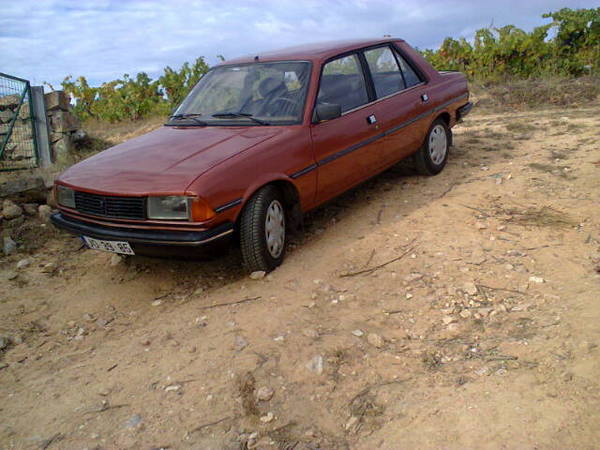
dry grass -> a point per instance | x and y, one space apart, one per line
524 94
542 216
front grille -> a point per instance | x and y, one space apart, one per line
108 206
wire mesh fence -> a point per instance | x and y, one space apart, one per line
18 149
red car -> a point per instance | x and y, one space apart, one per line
259 141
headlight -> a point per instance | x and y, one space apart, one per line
65 196
169 208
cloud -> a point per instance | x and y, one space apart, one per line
103 39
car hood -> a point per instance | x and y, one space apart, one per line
165 160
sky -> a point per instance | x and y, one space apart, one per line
46 40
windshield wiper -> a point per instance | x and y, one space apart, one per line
188 116
240 114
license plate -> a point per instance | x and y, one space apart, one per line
108 246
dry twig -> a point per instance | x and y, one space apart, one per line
380 266
245 300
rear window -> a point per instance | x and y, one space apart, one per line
410 76
384 71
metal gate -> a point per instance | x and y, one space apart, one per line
18 142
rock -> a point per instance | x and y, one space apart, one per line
56 100
133 421
88 317
267 418
44 213
24 263
264 394
4 342
480 226
156 302
447 320
465 314
8 275
30 209
9 246
484 312
470 288
351 423
10 210
310 332
413 277
13 224
115 259
375 340
173 387
240 343
25 188
63 121
79 136
315 364
258 275
358 333
49 268
536 279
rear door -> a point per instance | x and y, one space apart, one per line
402 101
347 149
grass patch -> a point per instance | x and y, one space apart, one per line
520 127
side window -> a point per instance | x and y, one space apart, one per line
410 76
384 71
343 83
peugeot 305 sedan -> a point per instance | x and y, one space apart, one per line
259 141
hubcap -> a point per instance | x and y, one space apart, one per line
275 228
438 144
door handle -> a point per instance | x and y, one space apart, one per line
371 119
424 98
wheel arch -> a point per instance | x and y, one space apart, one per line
447 118
289 192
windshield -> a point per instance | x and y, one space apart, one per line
248 94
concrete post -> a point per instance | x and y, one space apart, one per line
40 125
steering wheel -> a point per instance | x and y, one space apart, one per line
285 99
275 111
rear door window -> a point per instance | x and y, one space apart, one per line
343 83
384 71
410 76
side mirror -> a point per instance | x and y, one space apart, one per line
326 111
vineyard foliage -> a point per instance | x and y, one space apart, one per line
568 46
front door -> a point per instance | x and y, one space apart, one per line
347 149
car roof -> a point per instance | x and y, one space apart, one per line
316 52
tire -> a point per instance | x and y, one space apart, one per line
263 236
431 158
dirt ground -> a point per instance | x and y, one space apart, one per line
456 311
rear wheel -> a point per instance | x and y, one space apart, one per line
263 230
431 158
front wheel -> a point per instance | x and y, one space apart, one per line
263 231
431 158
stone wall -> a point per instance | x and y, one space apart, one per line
63 126
63 129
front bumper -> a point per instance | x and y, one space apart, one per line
463 111
140 236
